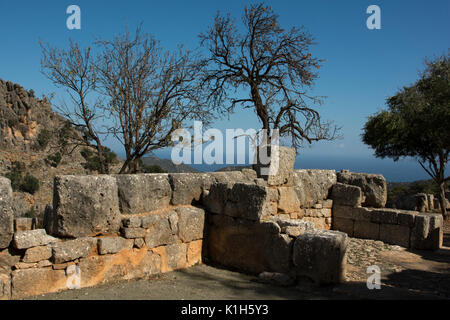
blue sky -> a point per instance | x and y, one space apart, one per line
362 68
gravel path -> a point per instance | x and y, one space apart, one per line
404 275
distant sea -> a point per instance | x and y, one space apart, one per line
401 171
404 170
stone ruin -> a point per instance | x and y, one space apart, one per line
107 228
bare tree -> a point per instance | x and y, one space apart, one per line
275 69
74 70
151 92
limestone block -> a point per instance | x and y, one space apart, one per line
86 205
321 256
373 187
140 193
32 238
346 195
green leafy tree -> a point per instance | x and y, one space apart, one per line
416 124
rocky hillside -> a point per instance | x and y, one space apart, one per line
35 145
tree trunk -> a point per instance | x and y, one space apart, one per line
442 200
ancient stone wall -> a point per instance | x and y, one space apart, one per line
359 211
118 227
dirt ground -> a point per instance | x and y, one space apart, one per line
405 274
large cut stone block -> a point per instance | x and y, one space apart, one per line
321 256
240 200
280 169
373 187
191 223
109 245
73 249
313 186
188 187
247 245
385 216
427 232
125 265
366 230
287 200
6 213
346 195
160 230
140 193
395 234
344 224
32 238
36 281
86 205
37 254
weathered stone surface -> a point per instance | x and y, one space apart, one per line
344 224
7 260
6 213
24 224
280 170
50 223
385 216
343 212
366 230
188 187
160 232
132 222
139 243
319 223
406 218
214 199
194 252
317 213
86 205
346 195
313 185
36 281
229 177
243 244
287 222
139 193
426 233
293 231
108 245
133 233
278 253
247 201
373 187
287 200
73 249
37 254
191 223
5 286
125 265
32 238
176 256
321 256
395 234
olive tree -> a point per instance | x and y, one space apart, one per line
416 124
